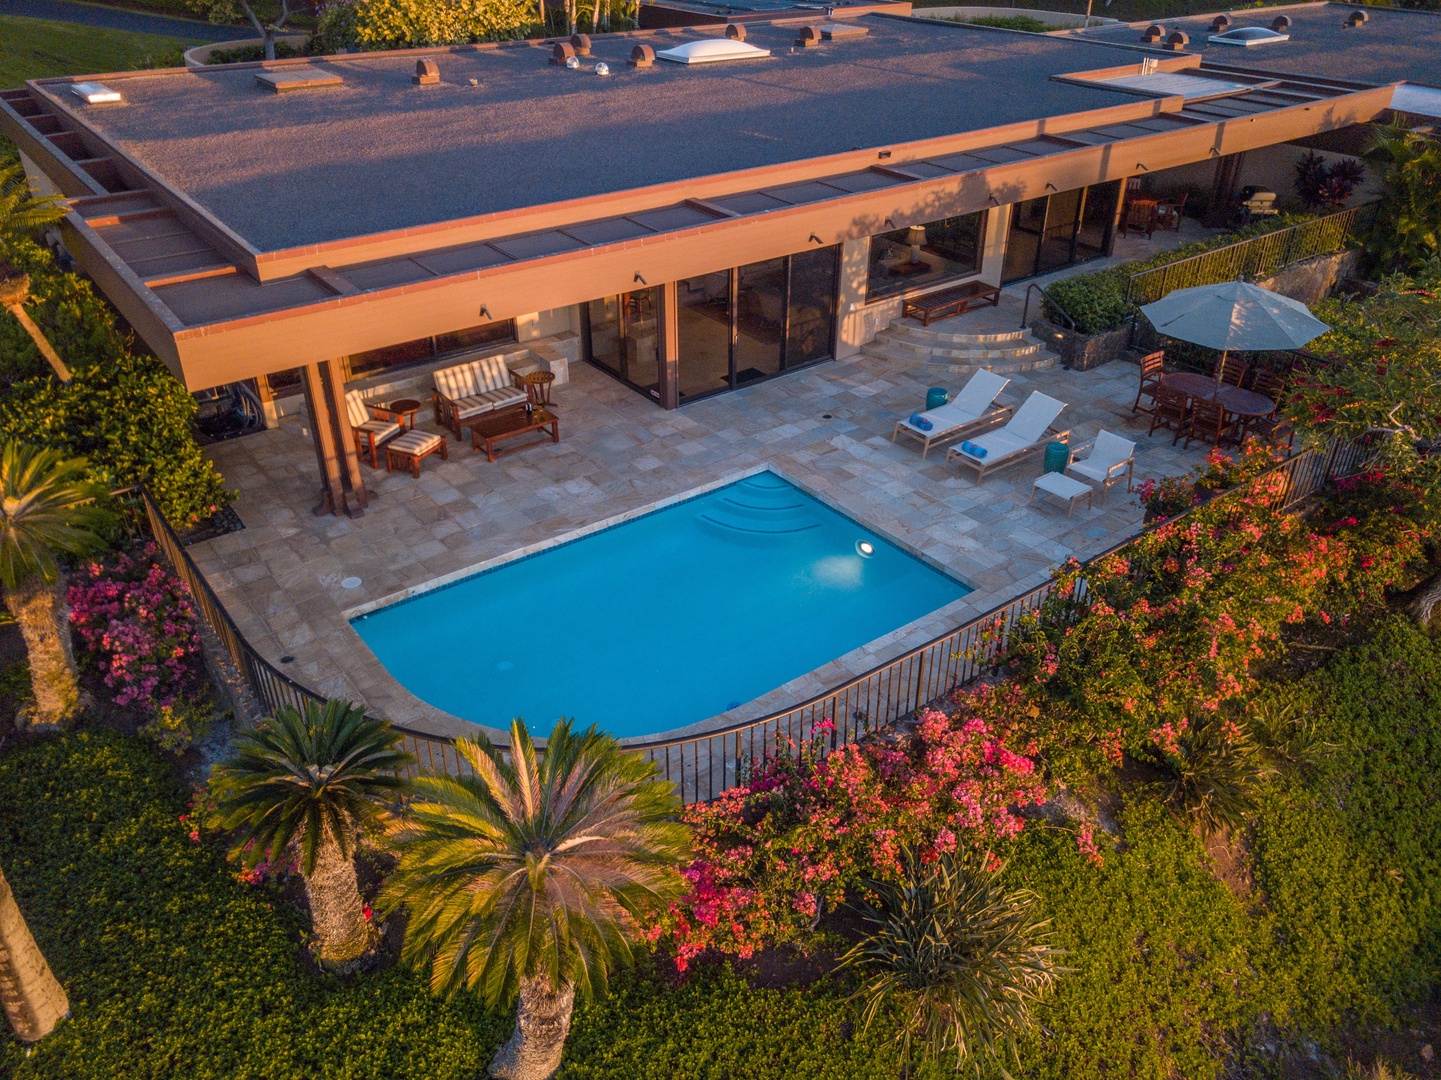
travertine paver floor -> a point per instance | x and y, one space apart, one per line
827 428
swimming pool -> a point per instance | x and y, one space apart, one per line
661 621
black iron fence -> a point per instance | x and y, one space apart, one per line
704 765
1257 257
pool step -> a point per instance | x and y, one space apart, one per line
763 506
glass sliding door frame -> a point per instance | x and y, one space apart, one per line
1057 229
786 346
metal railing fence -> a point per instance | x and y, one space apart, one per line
1256 257
705 764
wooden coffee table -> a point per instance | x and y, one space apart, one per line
488 430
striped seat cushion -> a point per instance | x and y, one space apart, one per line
510 395
473 379
467 407
355 408
382 429
415 442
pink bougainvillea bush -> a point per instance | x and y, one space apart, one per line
138 624
803 831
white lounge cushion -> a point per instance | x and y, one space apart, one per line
1109 452
457 382
474 378
998 445
491 373
381 429
510 395
1034 418
969 405
416 442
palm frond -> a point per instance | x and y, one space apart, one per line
47 508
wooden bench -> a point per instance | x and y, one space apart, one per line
947 302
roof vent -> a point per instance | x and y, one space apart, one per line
1219 23
1356 18
711 51
562 52
1280 23
1153 33
642 56
94 93
1177 40
840 31
288 80
581 44
736 32
810 37
427 73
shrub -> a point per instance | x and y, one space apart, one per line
407 24
243 54
175 728
958 959
1096 302
1215 769
139 624
122 411
1327 185
774 853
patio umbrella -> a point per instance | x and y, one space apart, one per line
1234 316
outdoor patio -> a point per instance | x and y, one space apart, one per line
827 429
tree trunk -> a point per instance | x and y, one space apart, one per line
39 611
534 1049
336 910
270 43
34 1000
1427 605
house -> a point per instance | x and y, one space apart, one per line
692 208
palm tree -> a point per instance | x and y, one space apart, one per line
22 212
313 780
33 998
1406 232
960 961
528 878
46 510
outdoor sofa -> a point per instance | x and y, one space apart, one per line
475 388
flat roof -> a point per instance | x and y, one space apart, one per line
379 153
1393 45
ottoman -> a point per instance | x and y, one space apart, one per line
408 448
1062 487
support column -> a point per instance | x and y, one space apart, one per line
1223 190
668 341
342 486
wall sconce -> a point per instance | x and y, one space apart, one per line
889 222
1051 187
994 201
1142 167
1215 152
638 277
485 312
816 239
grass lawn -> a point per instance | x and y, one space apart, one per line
37 48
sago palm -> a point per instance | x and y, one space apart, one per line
960 961
311 781
527 878
46 510
23 213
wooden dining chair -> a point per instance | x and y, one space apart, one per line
1230 370
1153 366
1269 384
1139 216
1172 410
1211 422
1275 429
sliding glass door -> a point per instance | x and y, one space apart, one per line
757 321
620 337
1059 230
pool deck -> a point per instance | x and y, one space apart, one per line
827 429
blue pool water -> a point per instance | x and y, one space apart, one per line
660 622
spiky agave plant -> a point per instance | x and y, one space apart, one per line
1214 774
958 959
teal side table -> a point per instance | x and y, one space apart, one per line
1058 456
937 396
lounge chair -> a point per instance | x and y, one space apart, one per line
1026 434
1109 458
971 409
475 388
372 425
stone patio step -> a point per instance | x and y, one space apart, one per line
943 333
1036 360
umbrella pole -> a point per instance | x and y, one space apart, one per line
1221 363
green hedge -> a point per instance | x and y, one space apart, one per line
123 410
1096 301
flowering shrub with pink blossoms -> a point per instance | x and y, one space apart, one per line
138 623
774 854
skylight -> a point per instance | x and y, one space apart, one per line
711 51
1247 36
94 93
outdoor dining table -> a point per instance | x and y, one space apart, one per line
1247 404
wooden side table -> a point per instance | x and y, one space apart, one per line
405 409
537 385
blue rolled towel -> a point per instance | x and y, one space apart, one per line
919 421
972 449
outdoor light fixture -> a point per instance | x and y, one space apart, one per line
916 236
572 64
865 549
1051 187
485 312
602 68
638 277
994 201
816 239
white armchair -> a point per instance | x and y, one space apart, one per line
1108 459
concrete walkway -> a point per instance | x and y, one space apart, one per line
138 22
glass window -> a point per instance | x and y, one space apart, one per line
812 331
905 259
704 330
760 319
427 348
620 336
475 337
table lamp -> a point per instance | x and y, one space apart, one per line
916 236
